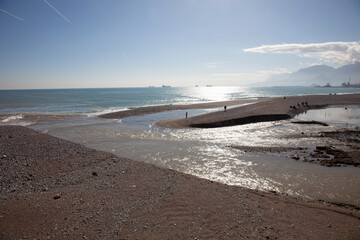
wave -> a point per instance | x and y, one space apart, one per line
15 120
109 110
12 118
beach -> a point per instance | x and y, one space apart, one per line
52 188
56 189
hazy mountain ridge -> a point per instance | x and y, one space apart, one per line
317 75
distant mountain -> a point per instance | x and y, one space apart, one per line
317 75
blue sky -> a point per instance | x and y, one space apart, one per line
118 43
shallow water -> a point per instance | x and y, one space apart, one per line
205 152
347 116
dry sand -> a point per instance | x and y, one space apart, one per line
56 189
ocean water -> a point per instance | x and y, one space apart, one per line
113 99
72 115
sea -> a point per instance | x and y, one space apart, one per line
73 114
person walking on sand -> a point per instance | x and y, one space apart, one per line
186 114
225 108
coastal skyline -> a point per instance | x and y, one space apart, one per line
89 44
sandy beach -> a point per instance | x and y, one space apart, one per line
56 189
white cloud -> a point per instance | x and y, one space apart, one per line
334 52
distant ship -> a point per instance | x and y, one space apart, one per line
151 86
208 85
166 86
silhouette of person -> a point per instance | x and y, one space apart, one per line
225 108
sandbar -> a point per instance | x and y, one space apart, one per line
265 109
251 110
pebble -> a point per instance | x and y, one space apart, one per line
57 196
320 147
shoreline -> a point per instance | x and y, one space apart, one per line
55 188
140 111
268 109
260 110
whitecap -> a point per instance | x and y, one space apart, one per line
12 118
109 110
16 120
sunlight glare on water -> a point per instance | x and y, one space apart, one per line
206 153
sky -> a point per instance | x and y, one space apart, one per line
118 43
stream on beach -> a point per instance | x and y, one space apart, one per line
206 153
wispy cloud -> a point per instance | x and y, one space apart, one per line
10 14
212 65
258 76
58 12
335 52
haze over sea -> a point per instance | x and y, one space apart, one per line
72 114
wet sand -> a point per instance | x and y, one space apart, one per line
164 108
260 110
267 109
56 189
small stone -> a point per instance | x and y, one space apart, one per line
296 157
57 196
320 147
94 173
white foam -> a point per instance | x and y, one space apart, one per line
16 120
110 110
12 118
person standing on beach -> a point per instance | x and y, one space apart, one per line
186 114
224 108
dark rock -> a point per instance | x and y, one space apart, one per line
321 148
